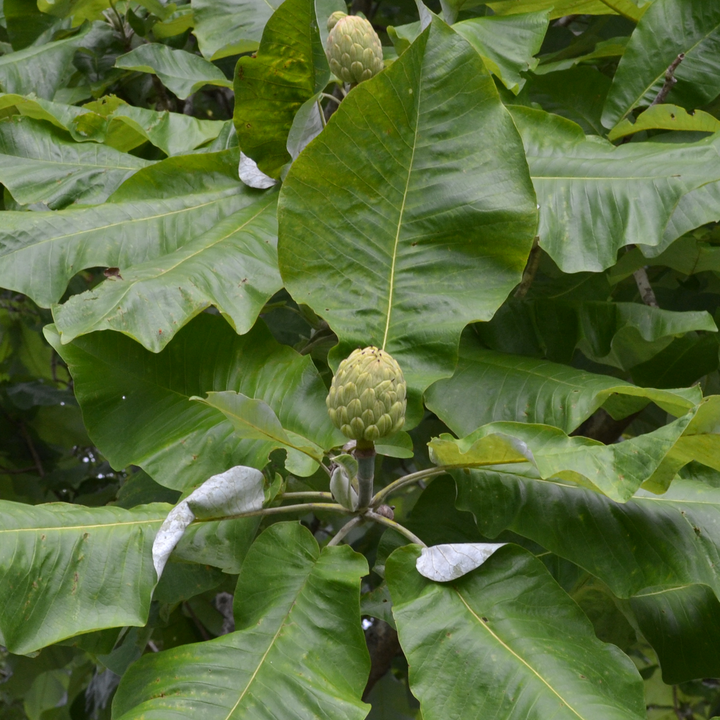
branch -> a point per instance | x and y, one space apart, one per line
670 80
308 495
647 294
302 507
404 481
345 529
382 520
531 269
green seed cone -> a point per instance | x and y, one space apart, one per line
353 48
367 396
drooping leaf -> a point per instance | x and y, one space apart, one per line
67 569
237 490
306 126
289 68
117 124
668 28
508 44
614 47
596 198
487 645
489 386
181 72
255 420
298 640
557 8
230 27
180 443
41 164
577 94
651 541
157 211
25 22
232 265
124 127
666 117
685 361
683 626
181 20
616 470
435 201
664 549
44 69
620 334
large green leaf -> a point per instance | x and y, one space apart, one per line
179 443
181 72
651 541
596 198
668 28
41 164
157 211
43 69
270 87
666 117
619 334
232 265
683 626
558 8
616 470
229 27
489 386
507 45
658 551
392 249
66 569
487 645
298 649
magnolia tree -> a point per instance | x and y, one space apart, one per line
350 375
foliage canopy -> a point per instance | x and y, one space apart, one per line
199 222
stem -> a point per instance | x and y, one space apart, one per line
406 480
302 507
321 496
366 473
381 520
345 529
322 113
670 80
331 97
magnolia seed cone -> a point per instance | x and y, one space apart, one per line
367 396
353 48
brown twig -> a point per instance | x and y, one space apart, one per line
533 262
31 447
647 294
670 80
